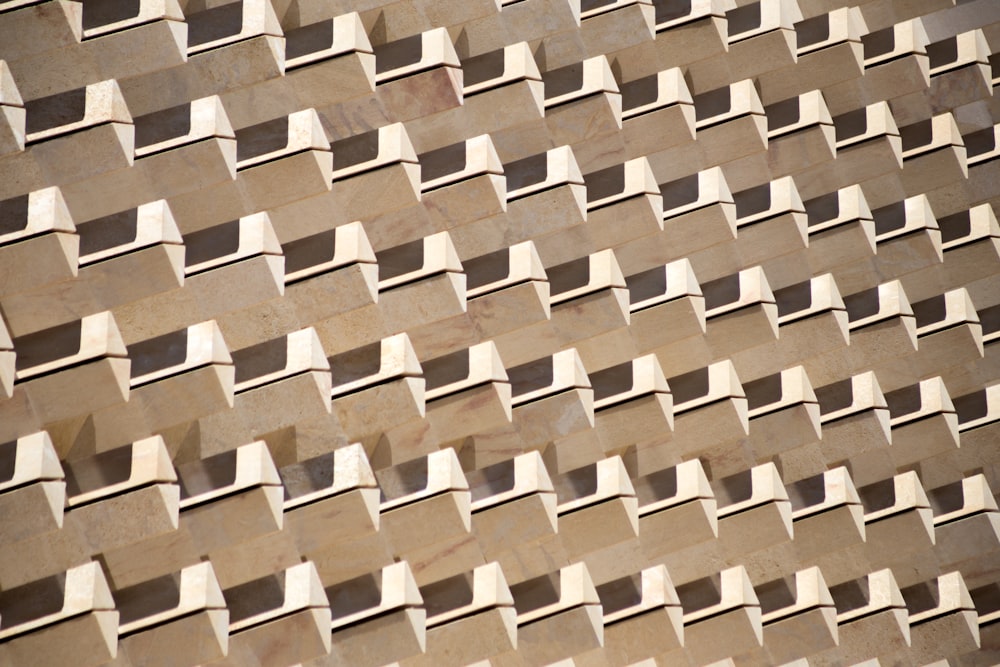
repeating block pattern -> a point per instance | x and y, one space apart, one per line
499 332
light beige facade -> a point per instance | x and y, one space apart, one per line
499 333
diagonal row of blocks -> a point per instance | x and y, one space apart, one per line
499 332
351 576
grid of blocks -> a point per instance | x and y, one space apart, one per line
499 332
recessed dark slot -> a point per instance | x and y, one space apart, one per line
917 135
640 92
878 43
212 243
646 285
605 183
794 298
309 251
986 599
403 479
443 161
446 369
261 359
700 593
980 142
743 18
904 401
862 304
850 595
484 67
753 201
536 593
851 124
355 595
782 114
765 391
890 218
448 594
656 486
108 232
308 39
576 484
531 376
823 209
689 386
878 496
775 595
199 477
671 10
955 226
921 597
32 601
262 139
355 150
487 269
836 396
154 354
942 53
812 31
734 489
621 593
8 460
307 476
612 381
682 192
722 291
989 319
971 406
215 23
808 492
491 480
13 214
587 5
255 597
401 53
148 598
162 125
356 364
713 103
948 498
400 260
54 111
527 171
99 471
563 81
569 276
42 347
103 12
929 311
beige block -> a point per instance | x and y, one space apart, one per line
80 626
558 615
723 603
177 617
829 526
677 509
383 604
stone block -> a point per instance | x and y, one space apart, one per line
385 602
426 511
514 516
59 619
724 603
34 490
178 616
